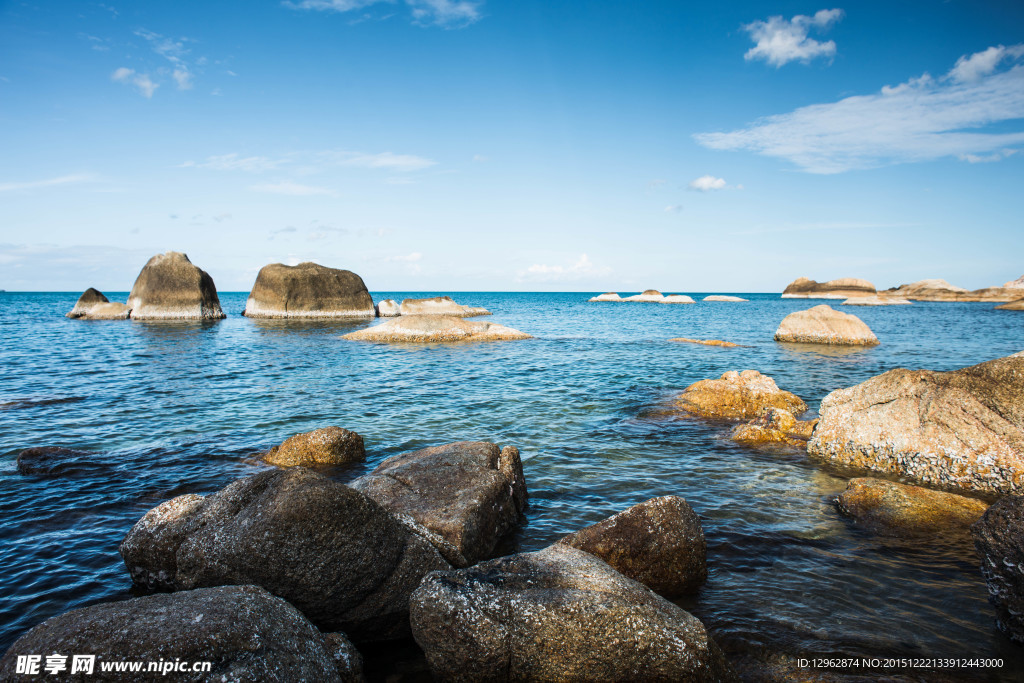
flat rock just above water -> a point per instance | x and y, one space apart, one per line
736 395
435 329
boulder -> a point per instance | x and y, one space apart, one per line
342 559
244 632
558 614
388 308
705 342
93 305
775 425
607 296
308 290
170 288
959 431
677 299
325 446
825 325
435 328
648 295
724 298
347 659
659 543
843 288
940 290
737 395
877 300
999 540
902 509
440 305
53 461
1012 306
470 493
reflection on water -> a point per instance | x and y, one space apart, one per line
175 408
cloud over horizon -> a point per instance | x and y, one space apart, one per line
581 269
779 42
441 13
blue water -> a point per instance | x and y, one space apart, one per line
172 408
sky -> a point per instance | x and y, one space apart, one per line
517 145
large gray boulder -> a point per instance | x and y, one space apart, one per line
960 430
999 540
342 559
308 290
170 288
557 614
94 305
470 493
244 632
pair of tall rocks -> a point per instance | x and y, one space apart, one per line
308 290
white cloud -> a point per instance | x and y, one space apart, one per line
183 77
401 163
674 208
443 13
970 69
142 82
294 189
987 158
49 182
780 41
920 120
581 269
707 183
174 51
234 162
315 162
407 258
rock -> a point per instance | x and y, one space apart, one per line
705 342
347 659
326 446
940 290
775 425
557 614
93 305
902 509
877 300
52 461
959 431
737 395
999 540
469 493
170 287
723 298
308 290
339 557
1012 306
607 296
1015 284
435 328
388 308
244 632
648 295
825 325
659 543
440 305
843 288
677 299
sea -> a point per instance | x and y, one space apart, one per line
166 409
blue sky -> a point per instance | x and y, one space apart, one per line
527 145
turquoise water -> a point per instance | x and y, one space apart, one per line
173 408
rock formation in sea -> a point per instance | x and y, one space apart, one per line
676 299
775 426
170 287
724 298
388 308
325 446
440 305
1012 306
1015 284
94 305
339 557
705 342
308 290
940 290
825 325
901 509
557 614
736 395
470 493
961 430
876 300
244 632
435 328
843 288
607 296
999 540
659 543
647 296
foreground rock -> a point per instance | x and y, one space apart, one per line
705 342
737 395
388 308
557 614
843 288
435 328
659 543
171 288
724 298
825 325
470 493
342 559
326 446
1012 306
94 305
903 509
607 296
440 305
999 541
244 632
940 290
775 425
876 301
960 430
308 290
677 299
648 296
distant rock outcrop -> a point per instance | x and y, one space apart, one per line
607 296
825 325
843 288
1012 306
647 296
170 287
724 298
325 446
434 329
677 299
737 395
878 300
906 510
308 290
1015 284
440 305
388 308
940 290
93 305
999 540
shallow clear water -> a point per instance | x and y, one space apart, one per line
171 408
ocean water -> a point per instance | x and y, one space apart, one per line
173 408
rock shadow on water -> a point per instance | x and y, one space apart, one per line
19 403
799 350
280 327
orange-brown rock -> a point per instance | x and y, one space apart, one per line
902 509
326 446
825 325
736 395
435 328
705 342
939 290
1012 306
775 425
843 288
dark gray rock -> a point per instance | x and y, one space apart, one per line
171 288
346 657
54 461
308 290
999 540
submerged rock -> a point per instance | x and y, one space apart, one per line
557 614
388 308
244 632
470 493
170 287
94 305
338 556
960 430
724 298
677 299
737 395
705 342
52 461
825 325
325 446
435 328
607 296
1012 306
659 543
648 295
902 509
877 300
440 305
999 540
308 290
775 425
843 288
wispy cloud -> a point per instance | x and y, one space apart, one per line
779 41
315 162
294 189
49 182
406 258
142 82
443 13
582 268
707 183
236 162
401 163
174 51
836 225
922 119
